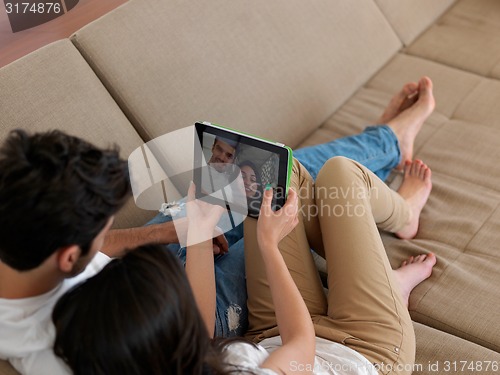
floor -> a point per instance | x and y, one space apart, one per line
15 45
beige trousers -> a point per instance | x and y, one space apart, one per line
338 217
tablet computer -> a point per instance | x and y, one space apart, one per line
233 168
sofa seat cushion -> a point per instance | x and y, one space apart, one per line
440 353
467 37
275 69
62 92
461 220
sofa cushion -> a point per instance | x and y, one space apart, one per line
466 37
451 87
276 69
461 220
442 353
410 18
54 88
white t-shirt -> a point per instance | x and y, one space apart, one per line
331 358
27 333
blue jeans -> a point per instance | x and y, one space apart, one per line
376 147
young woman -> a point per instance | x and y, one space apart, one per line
138 315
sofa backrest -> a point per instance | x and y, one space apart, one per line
54 88
277 69
410 18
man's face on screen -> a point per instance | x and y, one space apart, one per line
222 156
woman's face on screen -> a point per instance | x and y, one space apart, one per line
250 181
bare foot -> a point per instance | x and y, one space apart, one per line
414 110
415 189
399 102
412 272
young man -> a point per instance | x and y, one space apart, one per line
58 196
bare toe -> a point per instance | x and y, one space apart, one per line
399 102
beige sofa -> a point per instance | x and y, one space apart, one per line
305 72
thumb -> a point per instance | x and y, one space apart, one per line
291 205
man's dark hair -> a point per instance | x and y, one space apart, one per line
56 190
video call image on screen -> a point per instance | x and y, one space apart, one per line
236 172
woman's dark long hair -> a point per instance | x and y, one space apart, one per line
137 316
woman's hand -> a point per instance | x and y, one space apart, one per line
202 218
272 226
294 321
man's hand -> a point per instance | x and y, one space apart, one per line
179 235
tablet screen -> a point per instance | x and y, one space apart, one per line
234 169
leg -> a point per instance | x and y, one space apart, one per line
364 298
380 148
296 252
231 309
376 148
414 110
